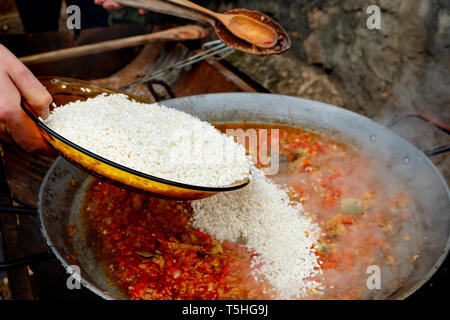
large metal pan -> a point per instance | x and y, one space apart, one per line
59 205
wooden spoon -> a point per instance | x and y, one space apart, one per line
166 7
284 42
189 32
180 9
242 26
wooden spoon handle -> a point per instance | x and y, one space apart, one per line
190 32
167 7
196 7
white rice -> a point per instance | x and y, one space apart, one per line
152 139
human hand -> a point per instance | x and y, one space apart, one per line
16 83
111 4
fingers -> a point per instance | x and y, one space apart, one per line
29 87
15 125
110 4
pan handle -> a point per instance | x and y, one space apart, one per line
439 125
6 265
158 97
24 211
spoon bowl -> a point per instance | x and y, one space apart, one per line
282 41
251 30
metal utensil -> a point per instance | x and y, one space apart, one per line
215 49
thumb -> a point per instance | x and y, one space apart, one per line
29 87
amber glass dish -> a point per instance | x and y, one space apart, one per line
65 90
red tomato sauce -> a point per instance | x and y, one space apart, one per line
147 245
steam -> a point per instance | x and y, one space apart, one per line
405 170
412 171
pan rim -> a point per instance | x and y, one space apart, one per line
62 261
315 104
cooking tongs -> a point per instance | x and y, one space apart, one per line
213 49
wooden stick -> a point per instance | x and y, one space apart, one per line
190 32
167 7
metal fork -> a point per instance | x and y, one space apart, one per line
215 49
